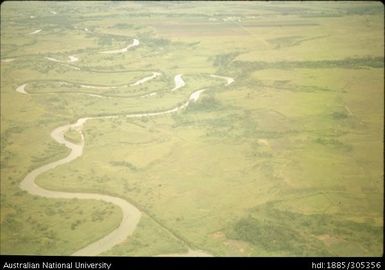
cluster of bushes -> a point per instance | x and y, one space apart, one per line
53 152
207 103
272 236
223 60
124 164
126 26
360 10
339 115
334 143
284 41
248 66
153 42
98 215
294 233
72 136
75 224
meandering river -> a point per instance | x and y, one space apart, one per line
130 214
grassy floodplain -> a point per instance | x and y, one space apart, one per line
287 160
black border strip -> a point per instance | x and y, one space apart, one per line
66 262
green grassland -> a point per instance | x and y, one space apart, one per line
285 161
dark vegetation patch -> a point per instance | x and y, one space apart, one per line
290 41
124 164
246 67
52 152
207 103
297 234
334 143
339 115
127 26
223 60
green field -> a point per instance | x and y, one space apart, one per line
285 161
